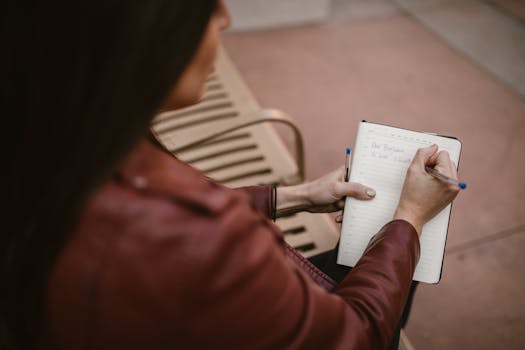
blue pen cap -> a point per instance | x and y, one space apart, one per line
462 185
348 150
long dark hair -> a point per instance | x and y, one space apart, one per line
81 81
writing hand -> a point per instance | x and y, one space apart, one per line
423 196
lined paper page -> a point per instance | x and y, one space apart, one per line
380 160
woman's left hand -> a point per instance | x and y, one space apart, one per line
324 195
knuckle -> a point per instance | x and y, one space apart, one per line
338 189
444 154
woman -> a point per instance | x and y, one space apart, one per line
110 243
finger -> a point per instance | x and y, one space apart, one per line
339 219
444 164
340 204
432 160
423 155
355 190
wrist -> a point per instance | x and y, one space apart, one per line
291 199
408 216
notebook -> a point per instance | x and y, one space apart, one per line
380 159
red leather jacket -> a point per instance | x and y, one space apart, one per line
163 258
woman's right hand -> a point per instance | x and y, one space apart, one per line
423 196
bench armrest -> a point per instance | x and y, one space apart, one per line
263 116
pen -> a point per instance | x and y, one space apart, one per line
445 178
347 163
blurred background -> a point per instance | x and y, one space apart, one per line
454 67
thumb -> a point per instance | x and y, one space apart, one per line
354 189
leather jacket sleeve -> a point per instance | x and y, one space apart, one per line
262 198
367 276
